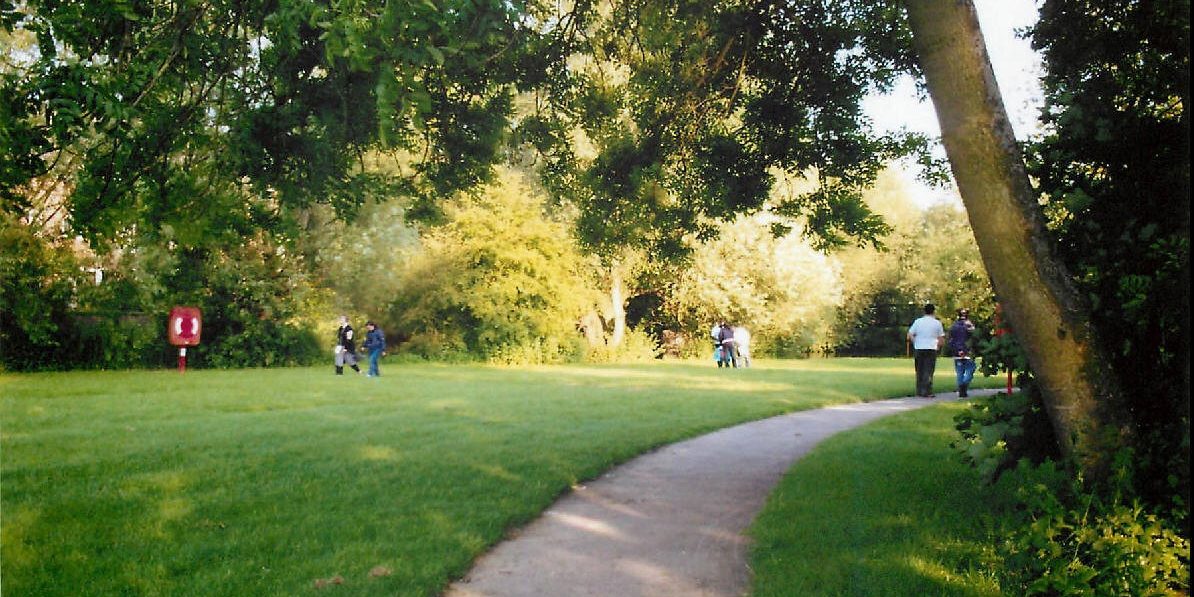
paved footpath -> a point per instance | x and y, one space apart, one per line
669 523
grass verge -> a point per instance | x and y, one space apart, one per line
885 509
270 482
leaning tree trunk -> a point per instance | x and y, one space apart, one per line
1037 294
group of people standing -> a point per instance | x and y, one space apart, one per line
731 345
927 336
345 350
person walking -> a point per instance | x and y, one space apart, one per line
926 335
715 333
742 342
960 334
346 352
375 343
726 337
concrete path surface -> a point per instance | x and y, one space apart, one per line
668 523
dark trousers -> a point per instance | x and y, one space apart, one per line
729 354
926 363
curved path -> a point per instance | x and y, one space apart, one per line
668 523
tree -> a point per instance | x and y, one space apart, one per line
497 280
717 95
885 289
1113 169
781 289
1050 319
155 113
186 128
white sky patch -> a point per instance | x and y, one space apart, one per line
1017 70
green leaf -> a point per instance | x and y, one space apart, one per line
436 55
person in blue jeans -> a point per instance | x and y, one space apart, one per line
959 348
375 343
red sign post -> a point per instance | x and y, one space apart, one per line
183 329
999 331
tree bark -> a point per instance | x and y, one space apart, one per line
617 304
1045 311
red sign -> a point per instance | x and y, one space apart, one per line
184 326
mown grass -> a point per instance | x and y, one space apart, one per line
262 482
884 509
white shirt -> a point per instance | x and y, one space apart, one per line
925 332
741 336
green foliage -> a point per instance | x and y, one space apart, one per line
497 280
256 302
1004 353
636 347
1073 542
360 261
251 298
781 289
37 283
1113 170
118 342
885 289
693 108
1001 430
153 113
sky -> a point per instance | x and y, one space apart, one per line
1017 70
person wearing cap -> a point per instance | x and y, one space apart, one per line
959 348
926 334
375 343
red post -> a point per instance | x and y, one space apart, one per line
999 331
183 329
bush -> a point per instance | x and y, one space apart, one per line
1073 543
265 344
120 342
1000 430
498 281
637 346
37 282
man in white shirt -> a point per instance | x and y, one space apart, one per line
926 335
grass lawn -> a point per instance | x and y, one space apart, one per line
884 509
263 482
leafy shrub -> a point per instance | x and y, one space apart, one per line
1071 542
37 282
637 346
497 281
121 342
1000 430
538 351
266 344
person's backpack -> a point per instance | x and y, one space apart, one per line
959 334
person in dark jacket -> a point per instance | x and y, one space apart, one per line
346 352
729 352
959 348
375 343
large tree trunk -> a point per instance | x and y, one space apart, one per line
1046 313
617 303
